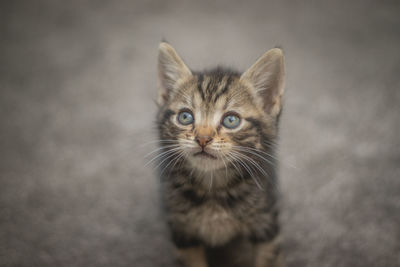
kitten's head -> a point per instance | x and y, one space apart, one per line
217 117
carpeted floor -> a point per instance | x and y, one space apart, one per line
77 83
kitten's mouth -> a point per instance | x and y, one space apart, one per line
204 154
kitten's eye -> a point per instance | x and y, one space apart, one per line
185 118
231 121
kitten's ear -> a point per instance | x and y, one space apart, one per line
267 76
171 69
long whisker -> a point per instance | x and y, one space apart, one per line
235 158
161 155
160 148
248 169
174 153
256 152
268 155
232 161
262 170
184 158
252 162
178 156
183 155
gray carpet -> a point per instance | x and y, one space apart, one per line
77 83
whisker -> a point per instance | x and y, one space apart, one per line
178 156
265 172
183 155
234 165
256 152
184 158
253 162
160 148
167 157
268 155
248 168
165 153
257 165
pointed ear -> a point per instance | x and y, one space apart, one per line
170 70
267 76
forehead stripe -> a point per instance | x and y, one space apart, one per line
200 79
224 89
207 86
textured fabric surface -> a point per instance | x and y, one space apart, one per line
77 84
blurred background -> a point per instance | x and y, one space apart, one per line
77 89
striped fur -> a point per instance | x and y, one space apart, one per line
211 203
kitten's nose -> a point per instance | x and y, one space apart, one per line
203 140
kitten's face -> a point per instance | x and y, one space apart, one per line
215 118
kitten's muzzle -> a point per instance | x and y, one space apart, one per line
203 140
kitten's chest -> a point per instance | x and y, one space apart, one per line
213 223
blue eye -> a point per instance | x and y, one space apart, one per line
185 118
231 121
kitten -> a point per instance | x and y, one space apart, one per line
217 166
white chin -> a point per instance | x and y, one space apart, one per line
204 163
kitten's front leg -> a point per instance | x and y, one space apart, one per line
268 253
192 256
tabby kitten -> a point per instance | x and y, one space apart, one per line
217 166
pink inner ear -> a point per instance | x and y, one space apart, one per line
171 68
267 78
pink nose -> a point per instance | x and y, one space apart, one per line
203 140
